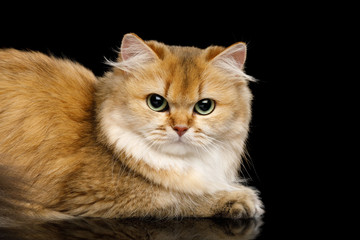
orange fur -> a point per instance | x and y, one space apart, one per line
76 141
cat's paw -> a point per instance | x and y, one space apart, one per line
243 203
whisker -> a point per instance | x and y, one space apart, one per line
212 142
155 138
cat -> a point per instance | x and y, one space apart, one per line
161 134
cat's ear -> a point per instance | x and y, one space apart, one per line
134 54
232 60
134 48
232 57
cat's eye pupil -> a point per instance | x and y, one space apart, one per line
157 103
205 106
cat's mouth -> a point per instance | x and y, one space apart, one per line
180 140
174 144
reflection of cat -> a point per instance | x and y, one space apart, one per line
160 135
101 229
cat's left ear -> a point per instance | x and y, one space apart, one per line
231 58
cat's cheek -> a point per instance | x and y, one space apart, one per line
219 125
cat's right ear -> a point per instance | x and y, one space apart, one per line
134 48
134 54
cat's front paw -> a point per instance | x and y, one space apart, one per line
243 203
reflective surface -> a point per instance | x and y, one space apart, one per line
209 229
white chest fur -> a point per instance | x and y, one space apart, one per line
201 172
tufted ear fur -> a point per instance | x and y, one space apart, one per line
235 55
134 47
232 60
134 53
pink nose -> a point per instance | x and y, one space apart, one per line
180 130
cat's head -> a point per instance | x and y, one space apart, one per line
177 101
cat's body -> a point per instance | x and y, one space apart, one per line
101 148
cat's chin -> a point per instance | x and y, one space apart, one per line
177 149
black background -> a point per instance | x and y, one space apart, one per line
287 46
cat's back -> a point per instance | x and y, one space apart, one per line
45 102
27 69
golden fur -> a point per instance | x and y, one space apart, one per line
82 146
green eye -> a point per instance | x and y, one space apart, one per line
205 106
157 103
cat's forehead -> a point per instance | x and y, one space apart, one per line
185 52
184 70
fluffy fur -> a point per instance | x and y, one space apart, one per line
92 147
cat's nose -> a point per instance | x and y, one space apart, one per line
180 130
